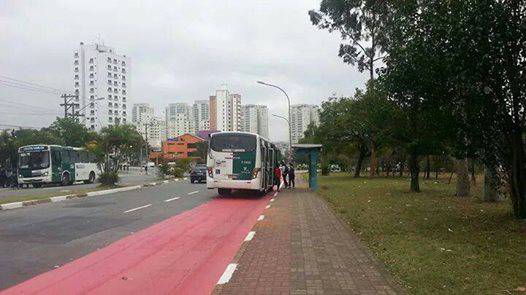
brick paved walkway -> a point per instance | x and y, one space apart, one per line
301 247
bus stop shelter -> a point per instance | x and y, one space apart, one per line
312 151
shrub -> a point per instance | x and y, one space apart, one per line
108 178
178 172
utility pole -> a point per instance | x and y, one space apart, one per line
68 105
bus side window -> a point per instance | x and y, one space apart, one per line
55 157
75 158
66 156
83 157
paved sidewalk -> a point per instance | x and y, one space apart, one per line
301 247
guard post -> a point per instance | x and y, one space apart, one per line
312 151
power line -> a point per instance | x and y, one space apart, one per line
8 102
33 84
26 87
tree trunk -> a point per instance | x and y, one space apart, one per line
359 163
473 175
402 167
374 160
489 191
428 167
462 177
517 181
415 171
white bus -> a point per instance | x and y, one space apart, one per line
241 160
40 164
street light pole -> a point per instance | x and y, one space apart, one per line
288 120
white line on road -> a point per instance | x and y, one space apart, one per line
272 200
250 236
275 194
227 275
261 217
138 208
268 206
172 199
194 192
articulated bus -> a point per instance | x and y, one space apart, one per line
242 161
40 164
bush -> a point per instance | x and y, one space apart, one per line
108 178
178 172
325 169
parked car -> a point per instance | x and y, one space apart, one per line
198 173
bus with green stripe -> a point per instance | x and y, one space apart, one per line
241 161
42 164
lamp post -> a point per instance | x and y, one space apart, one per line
76 113
288 120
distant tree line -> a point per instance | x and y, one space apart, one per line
447 87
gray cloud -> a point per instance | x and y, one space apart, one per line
180 51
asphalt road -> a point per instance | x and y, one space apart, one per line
39 238
132 177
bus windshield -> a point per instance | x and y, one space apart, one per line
228 142
34 160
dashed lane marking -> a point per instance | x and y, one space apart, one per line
194 192
250 236
272 200
172 199
261 217
268 206
138 208
227 274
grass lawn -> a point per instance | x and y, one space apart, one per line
433 242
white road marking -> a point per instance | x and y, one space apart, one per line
194 192
261 217
275 194
250 236
272 200
172 199
268 206
138 208
227 274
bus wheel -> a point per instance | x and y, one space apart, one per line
65 179
91 178
37 185
224 191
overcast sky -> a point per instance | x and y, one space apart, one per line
180 51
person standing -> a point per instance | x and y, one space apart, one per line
277 177
285 173
292 176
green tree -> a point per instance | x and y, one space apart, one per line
71 132
114 145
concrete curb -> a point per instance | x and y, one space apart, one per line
15 205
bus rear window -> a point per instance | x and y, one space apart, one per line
233 143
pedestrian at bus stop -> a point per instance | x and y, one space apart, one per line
277 177
285 174
292 176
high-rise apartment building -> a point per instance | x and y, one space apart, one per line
155 131
102 83
225 111
301 116
255 119
140 110
201 115
151 128
179 119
